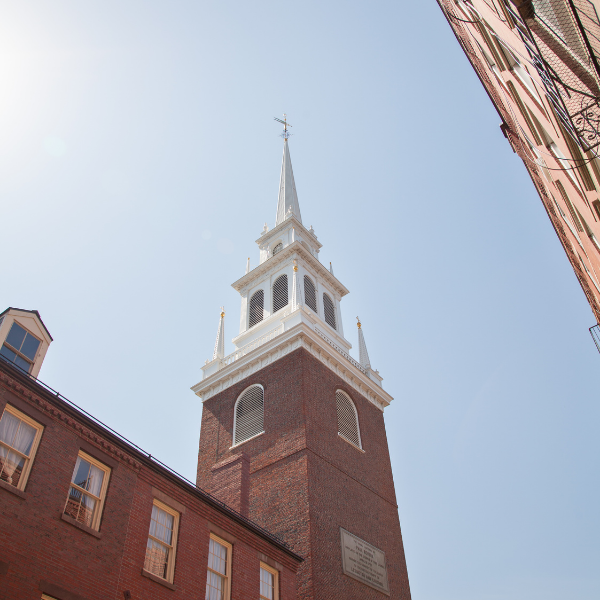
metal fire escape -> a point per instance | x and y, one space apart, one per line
563 41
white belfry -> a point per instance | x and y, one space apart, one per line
363 355
288 198
220 343
289 300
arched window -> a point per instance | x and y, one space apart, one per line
257 304
347 418
310 293
329 310
249 414
278 248
280 293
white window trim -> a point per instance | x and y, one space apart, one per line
36 441
96 463
227 590
275 574
171 562
235 415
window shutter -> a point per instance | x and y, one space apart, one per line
329 310
257 304
277 248
280 293
347 418
310 293
249 414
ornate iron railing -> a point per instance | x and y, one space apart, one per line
562 38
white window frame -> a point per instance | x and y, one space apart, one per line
234 444
100 499
34 446
228 565
275 574
173 546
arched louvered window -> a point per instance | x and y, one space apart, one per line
280 293
249 414
310 293
347 418
278 248
329 310
257 304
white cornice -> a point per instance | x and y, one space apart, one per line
300 336
288 252
263 239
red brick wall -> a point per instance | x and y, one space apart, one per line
305 480
39 551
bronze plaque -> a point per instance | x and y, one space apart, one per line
364 562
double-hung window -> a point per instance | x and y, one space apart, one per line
19 439
87 491
162 541
269 583
20 347
218 576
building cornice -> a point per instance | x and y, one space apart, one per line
295 248
263 240
299 336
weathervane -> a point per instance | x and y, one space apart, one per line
286 134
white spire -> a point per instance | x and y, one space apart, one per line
220 343
248 266
363 355
288 198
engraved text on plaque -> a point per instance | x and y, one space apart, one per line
364 562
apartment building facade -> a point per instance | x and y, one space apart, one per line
538 61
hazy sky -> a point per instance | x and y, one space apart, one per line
139 160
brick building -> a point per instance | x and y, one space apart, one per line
86 515
539 62
298 497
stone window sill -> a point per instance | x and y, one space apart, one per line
81 526
160 580
12 489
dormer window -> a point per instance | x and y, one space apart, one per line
278 248
20 347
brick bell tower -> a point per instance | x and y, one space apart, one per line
292 433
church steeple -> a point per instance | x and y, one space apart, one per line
288 198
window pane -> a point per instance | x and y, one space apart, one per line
16 336
86 510
157 559
81 473
266 584
6 351
30 346
21 362
161 525
95 480
73 502
214 586
9 425
217 557
11 466
24 438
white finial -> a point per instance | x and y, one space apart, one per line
248 266
331 268
265 229
363 355
220 343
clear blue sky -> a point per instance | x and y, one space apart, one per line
138 162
